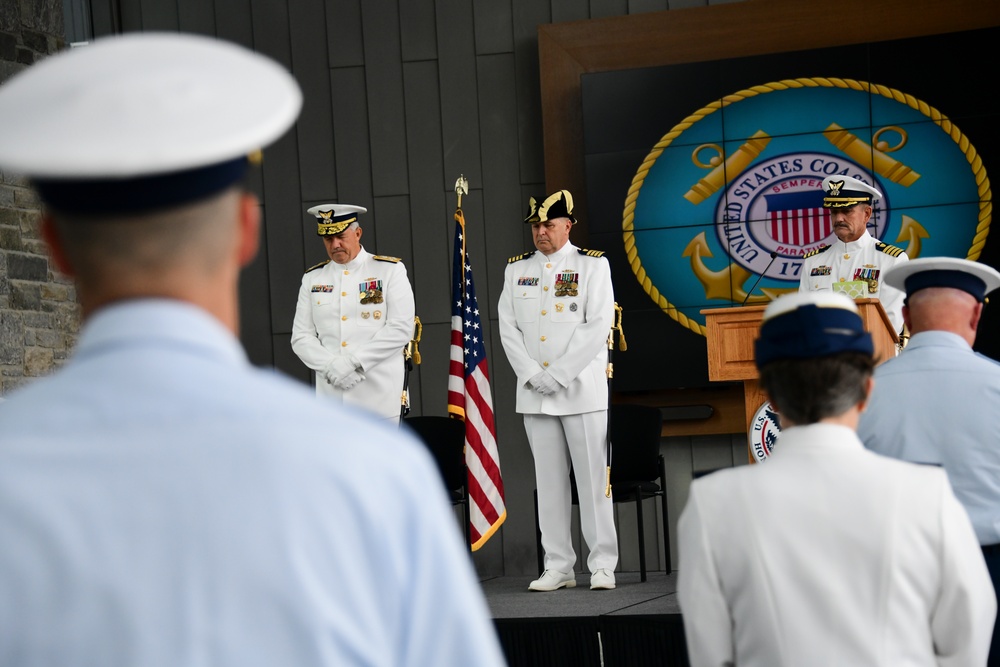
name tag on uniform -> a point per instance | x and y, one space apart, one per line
322 288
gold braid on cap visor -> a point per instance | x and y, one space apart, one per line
332 228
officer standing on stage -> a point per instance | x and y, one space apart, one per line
937 402
354 317
856 255
556 311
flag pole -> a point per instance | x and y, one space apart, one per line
461 188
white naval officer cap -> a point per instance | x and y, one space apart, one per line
142 121
331 219
844 191
917 274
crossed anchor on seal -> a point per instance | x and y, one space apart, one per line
728 283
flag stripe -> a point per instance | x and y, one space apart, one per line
469 398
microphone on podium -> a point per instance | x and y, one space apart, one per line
774 254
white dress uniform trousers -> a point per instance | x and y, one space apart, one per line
864 259
336 315
830 555
555 314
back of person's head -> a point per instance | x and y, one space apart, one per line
943 293
814 356
192 237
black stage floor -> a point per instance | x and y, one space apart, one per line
636 624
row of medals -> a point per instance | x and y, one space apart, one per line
372 296
567 288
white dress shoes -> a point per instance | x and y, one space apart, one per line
552 580
602 579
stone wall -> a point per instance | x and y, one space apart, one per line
39 316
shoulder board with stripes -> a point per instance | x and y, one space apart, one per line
590 253
317 266
386 258
891 250
518 258
817 251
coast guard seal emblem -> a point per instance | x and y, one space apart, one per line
764 430
717 204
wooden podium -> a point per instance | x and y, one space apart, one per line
731 333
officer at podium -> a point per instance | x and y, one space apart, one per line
857 261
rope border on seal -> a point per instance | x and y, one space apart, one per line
949 128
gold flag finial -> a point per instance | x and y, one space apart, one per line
461 188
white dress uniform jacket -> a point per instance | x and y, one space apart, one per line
543 328
164 503
937 402
864 259
828 554
330 319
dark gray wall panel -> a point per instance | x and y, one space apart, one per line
386 113
343 29
528 15
233 21
392 219
158 15
271 34
282 233
501 186
459 110
643 6
418 30
433 250
600 9
104 17
494 25
130 16
350 136
570 10
281 178
196 16
431 207
307 21
255 310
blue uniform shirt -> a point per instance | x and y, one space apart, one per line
937 403
164 503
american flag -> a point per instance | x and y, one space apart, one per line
469 398
798 218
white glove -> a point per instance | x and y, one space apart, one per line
341 366
544 384
350 380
